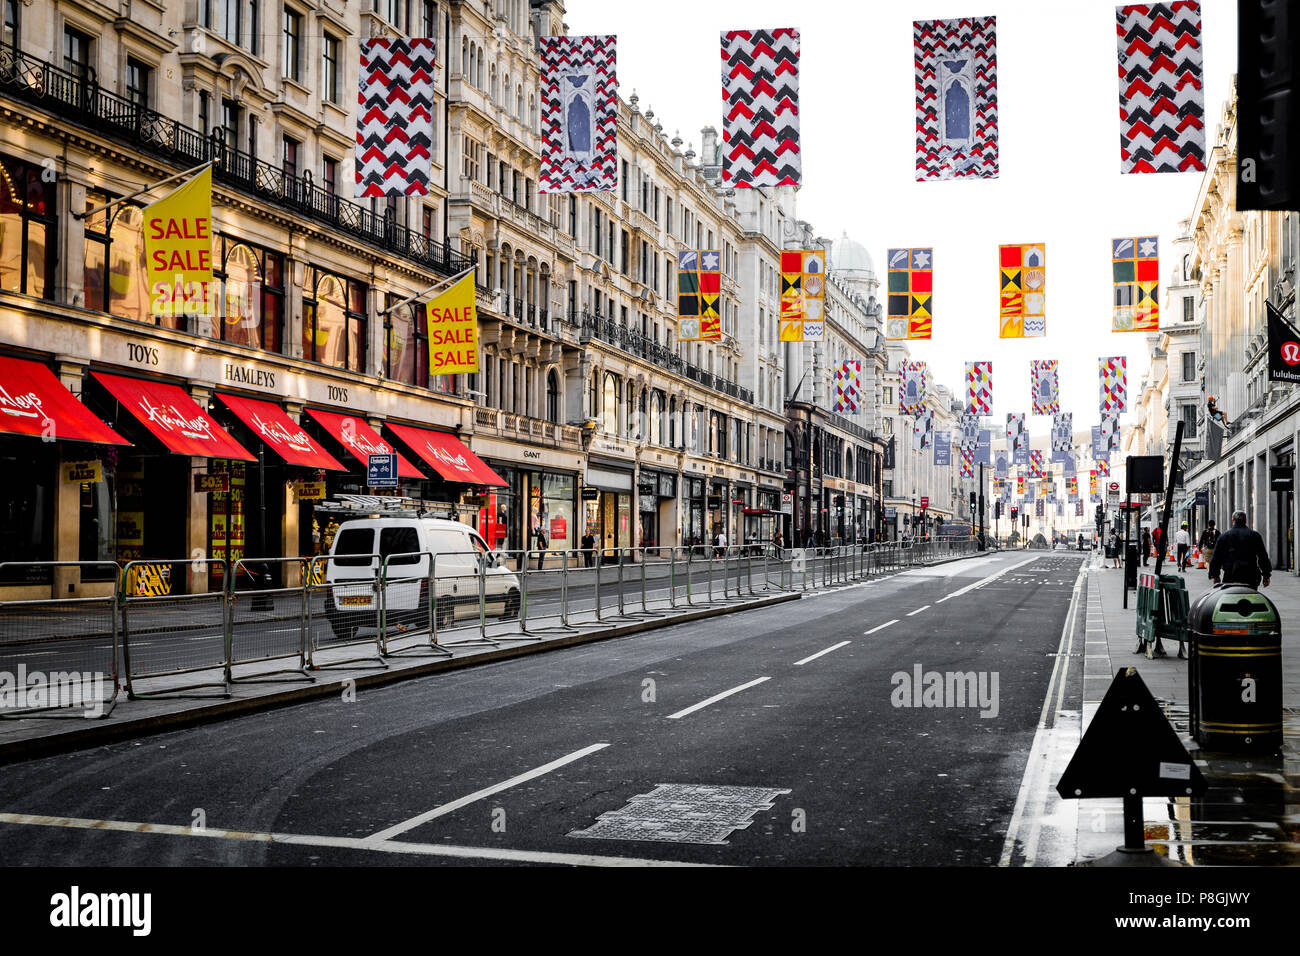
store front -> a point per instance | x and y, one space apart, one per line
656 494
763 520
608 518
694 504
1282 483
540 499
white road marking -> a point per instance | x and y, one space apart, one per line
971 587
918 610
813 657
446 808
348 843
881 627
715 698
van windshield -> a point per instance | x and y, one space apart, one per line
403 540
358 542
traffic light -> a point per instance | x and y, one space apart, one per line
1268 105
972 502
997 510
1014 512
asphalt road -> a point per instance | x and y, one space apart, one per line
502 763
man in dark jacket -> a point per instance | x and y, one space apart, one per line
1240 556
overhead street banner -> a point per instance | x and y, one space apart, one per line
178 249
453 330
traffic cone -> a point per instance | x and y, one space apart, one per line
1200 558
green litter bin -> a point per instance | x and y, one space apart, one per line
1235 672
1161 609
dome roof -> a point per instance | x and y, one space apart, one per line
847 255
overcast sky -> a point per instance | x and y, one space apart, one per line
1059 182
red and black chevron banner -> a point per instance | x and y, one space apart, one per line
395 117
1161 101
760 87
579 114
956 98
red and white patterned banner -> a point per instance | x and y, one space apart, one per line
579 114
1046 388
956 68
394 155
979 387
1112 381
846 385
1035 463
967 458
760 87
1161 102
911 388
923 430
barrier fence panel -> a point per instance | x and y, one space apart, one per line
168 630
465 592
527 568
268 622
58 657
406 607
343 609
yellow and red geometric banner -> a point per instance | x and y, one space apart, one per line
910 298
846 385
1135 272
803 295
1022 279
1112 380
699 295
979 388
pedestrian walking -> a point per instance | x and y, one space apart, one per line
1146 545
720 542
542 542
1183 542
588 549
1209 538
1240 556
1114 548
1157 543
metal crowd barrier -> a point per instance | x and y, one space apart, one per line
168 629
69 643
269 623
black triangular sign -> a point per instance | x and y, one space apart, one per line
1283 348
1130 749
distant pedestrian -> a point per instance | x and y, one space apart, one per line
1157 543
1209 538
1240 556
1146 546
588 549
1114 548
1183 542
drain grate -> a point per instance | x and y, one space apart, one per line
683 813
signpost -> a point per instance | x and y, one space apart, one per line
381 470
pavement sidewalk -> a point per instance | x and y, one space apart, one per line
1251 813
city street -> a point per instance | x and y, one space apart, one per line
505 763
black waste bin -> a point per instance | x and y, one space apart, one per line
1130 566
1235 672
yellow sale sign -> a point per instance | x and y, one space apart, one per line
178 249
453 330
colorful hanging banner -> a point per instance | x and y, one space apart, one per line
1110 433
1103 467
760 130
1045 387
1078 509
579 114
969 434
1112 382
1072 486
1135 272
1001 463
943 447
1022 277
911 387
699 295
1062 435
846 386
1092 483
967 457
1020 485
956 77
979 388
394 154
178 250
1035 463
1018 438
1161 101
452 321
923 430
910 298
803 295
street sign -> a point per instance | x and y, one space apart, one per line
925 502
1113 487
590 494
1281 478
1203 498
787 503
381 470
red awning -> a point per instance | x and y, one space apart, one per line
31 398
447 455
360 439
174 418
284 436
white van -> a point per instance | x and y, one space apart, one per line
360 546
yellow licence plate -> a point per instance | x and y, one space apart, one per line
356 599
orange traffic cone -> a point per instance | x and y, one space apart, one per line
1200 558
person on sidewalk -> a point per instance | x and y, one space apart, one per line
1209 538
1114 548
1240 556
1183 541
588 549
1157 543
1146 545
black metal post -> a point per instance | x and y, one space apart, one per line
1169 495
1128 510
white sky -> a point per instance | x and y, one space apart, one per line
1059 179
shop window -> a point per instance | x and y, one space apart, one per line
251 281
656 418
9 37
609 404
406 348
553 397
28 231
333 320
28 469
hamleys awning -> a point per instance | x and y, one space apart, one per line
281 434
447 455
361 440
174 418
31 398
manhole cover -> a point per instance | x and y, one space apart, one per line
683 813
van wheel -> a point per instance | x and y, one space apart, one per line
512 605
445 614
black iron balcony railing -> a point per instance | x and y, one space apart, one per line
631 341
78 98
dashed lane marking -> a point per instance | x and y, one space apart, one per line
715 698
918 610
400 828
813 657
881 627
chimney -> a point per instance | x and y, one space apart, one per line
708 145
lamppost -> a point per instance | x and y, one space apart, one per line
913 516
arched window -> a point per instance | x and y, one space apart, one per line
128 281
956 112
672 423
519 102
656 418
241 294
609 404
553 397
495 89
532 112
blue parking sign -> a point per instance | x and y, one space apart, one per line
381 471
